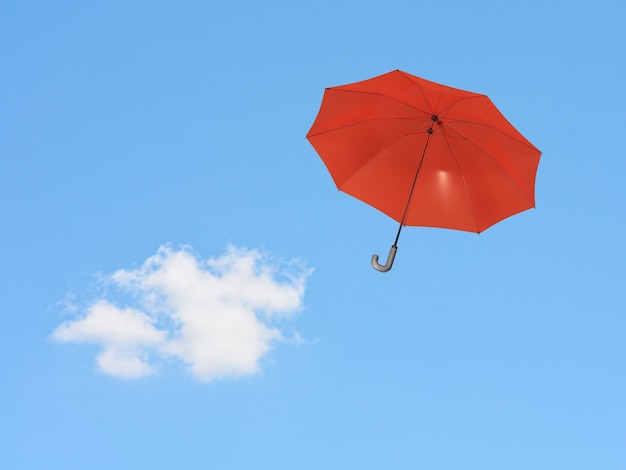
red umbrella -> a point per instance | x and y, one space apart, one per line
424 154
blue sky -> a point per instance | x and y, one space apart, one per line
156 188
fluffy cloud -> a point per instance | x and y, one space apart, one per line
125 335
218 316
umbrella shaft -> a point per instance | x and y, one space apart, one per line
434 119
395 243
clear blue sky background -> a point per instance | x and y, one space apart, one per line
125 126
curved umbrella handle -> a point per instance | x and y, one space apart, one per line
387 266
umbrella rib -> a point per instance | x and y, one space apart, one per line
374 93
462 98
421 90
485 152
524 142
469 196
357 123
376 156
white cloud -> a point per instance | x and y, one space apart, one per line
124 334
217 316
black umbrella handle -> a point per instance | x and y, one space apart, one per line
383 268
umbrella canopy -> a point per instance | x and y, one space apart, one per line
424 154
